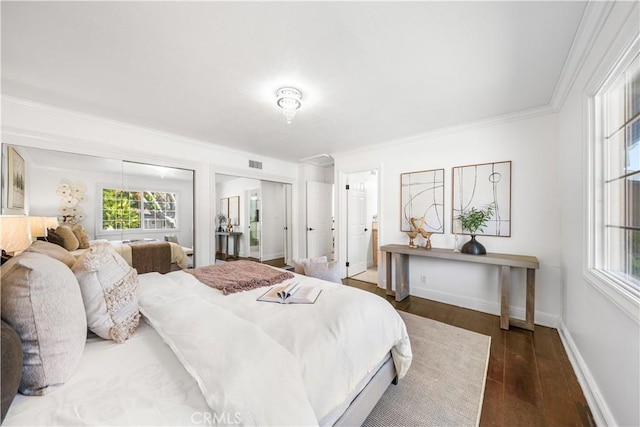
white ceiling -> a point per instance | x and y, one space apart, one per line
370 72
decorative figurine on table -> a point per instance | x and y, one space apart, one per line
455 243
412 235
422 231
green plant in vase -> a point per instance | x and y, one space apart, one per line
474 220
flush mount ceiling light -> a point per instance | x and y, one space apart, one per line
289 100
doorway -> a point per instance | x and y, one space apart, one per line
362 225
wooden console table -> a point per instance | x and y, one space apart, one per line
236 243
505 261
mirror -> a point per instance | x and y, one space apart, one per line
261 211
234 210
114 199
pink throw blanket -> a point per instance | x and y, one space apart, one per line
238 276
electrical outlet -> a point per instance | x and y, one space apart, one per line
423 280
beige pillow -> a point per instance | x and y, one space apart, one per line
109 288
69 239
81 235
299 263
54 251
41 300
329 271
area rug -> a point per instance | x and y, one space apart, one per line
445 384
369 276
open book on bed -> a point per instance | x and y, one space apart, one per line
293 293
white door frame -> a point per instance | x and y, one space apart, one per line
341 218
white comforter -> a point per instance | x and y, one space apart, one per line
274 364
254 363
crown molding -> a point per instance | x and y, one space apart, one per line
491 121
593 19
35 105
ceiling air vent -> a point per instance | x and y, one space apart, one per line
255 164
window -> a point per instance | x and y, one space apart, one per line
138 210
617 164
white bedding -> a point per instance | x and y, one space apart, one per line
337 341
140 382
253 361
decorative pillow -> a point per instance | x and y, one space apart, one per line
52 237
41 300
299 263
11 366
329 271
171 238
81 235
54 251
109 288
69 239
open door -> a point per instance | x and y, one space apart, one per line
357 226
319 219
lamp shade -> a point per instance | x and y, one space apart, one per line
14 233
38 226
51 222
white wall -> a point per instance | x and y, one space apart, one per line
38 125
600 329
531 144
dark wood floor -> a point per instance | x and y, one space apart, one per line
530 381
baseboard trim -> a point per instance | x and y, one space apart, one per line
597 404
540 318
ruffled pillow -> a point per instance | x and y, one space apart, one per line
109 288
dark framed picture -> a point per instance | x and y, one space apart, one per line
15 180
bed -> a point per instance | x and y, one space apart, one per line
148 260
202 357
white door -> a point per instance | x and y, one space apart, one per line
319 219
357 225
288 239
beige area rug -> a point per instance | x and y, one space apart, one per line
445 384
369 276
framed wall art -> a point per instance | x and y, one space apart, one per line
478 186
422 195
15 180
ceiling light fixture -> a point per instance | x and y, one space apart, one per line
289 100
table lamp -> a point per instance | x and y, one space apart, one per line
14 235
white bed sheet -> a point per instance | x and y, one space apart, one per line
138 383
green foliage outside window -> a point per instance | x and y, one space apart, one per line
149 210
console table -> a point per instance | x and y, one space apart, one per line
504 261
236 242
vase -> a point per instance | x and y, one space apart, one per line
473 247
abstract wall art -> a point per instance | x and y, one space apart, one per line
422 195
478 186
